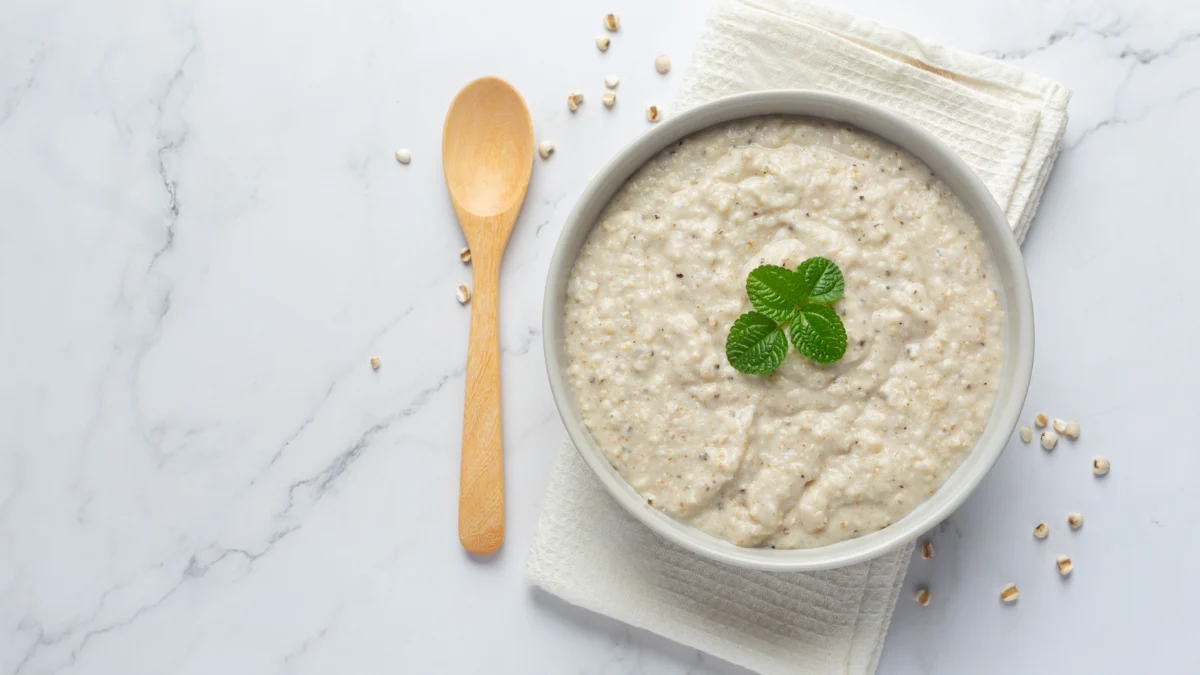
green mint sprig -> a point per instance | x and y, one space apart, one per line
789 304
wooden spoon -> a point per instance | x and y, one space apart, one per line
487 154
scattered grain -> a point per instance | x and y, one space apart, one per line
923 597
927 550
1049 440
1072 431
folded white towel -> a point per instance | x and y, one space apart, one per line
1006 123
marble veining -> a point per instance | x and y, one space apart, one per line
204 238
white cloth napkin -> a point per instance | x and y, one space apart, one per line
1006 123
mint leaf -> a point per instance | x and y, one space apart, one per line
789 302
757 344
775 291
819 334
822 279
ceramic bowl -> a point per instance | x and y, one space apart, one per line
1014 297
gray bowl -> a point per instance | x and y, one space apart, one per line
1014 298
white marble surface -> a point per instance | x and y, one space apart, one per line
204 237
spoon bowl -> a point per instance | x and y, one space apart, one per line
487 155
487 148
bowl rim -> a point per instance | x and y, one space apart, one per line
1013 289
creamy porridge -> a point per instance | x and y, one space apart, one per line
810 454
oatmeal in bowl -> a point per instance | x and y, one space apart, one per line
821 461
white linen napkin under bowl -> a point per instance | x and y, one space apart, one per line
1006 124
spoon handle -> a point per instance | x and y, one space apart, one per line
481 484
